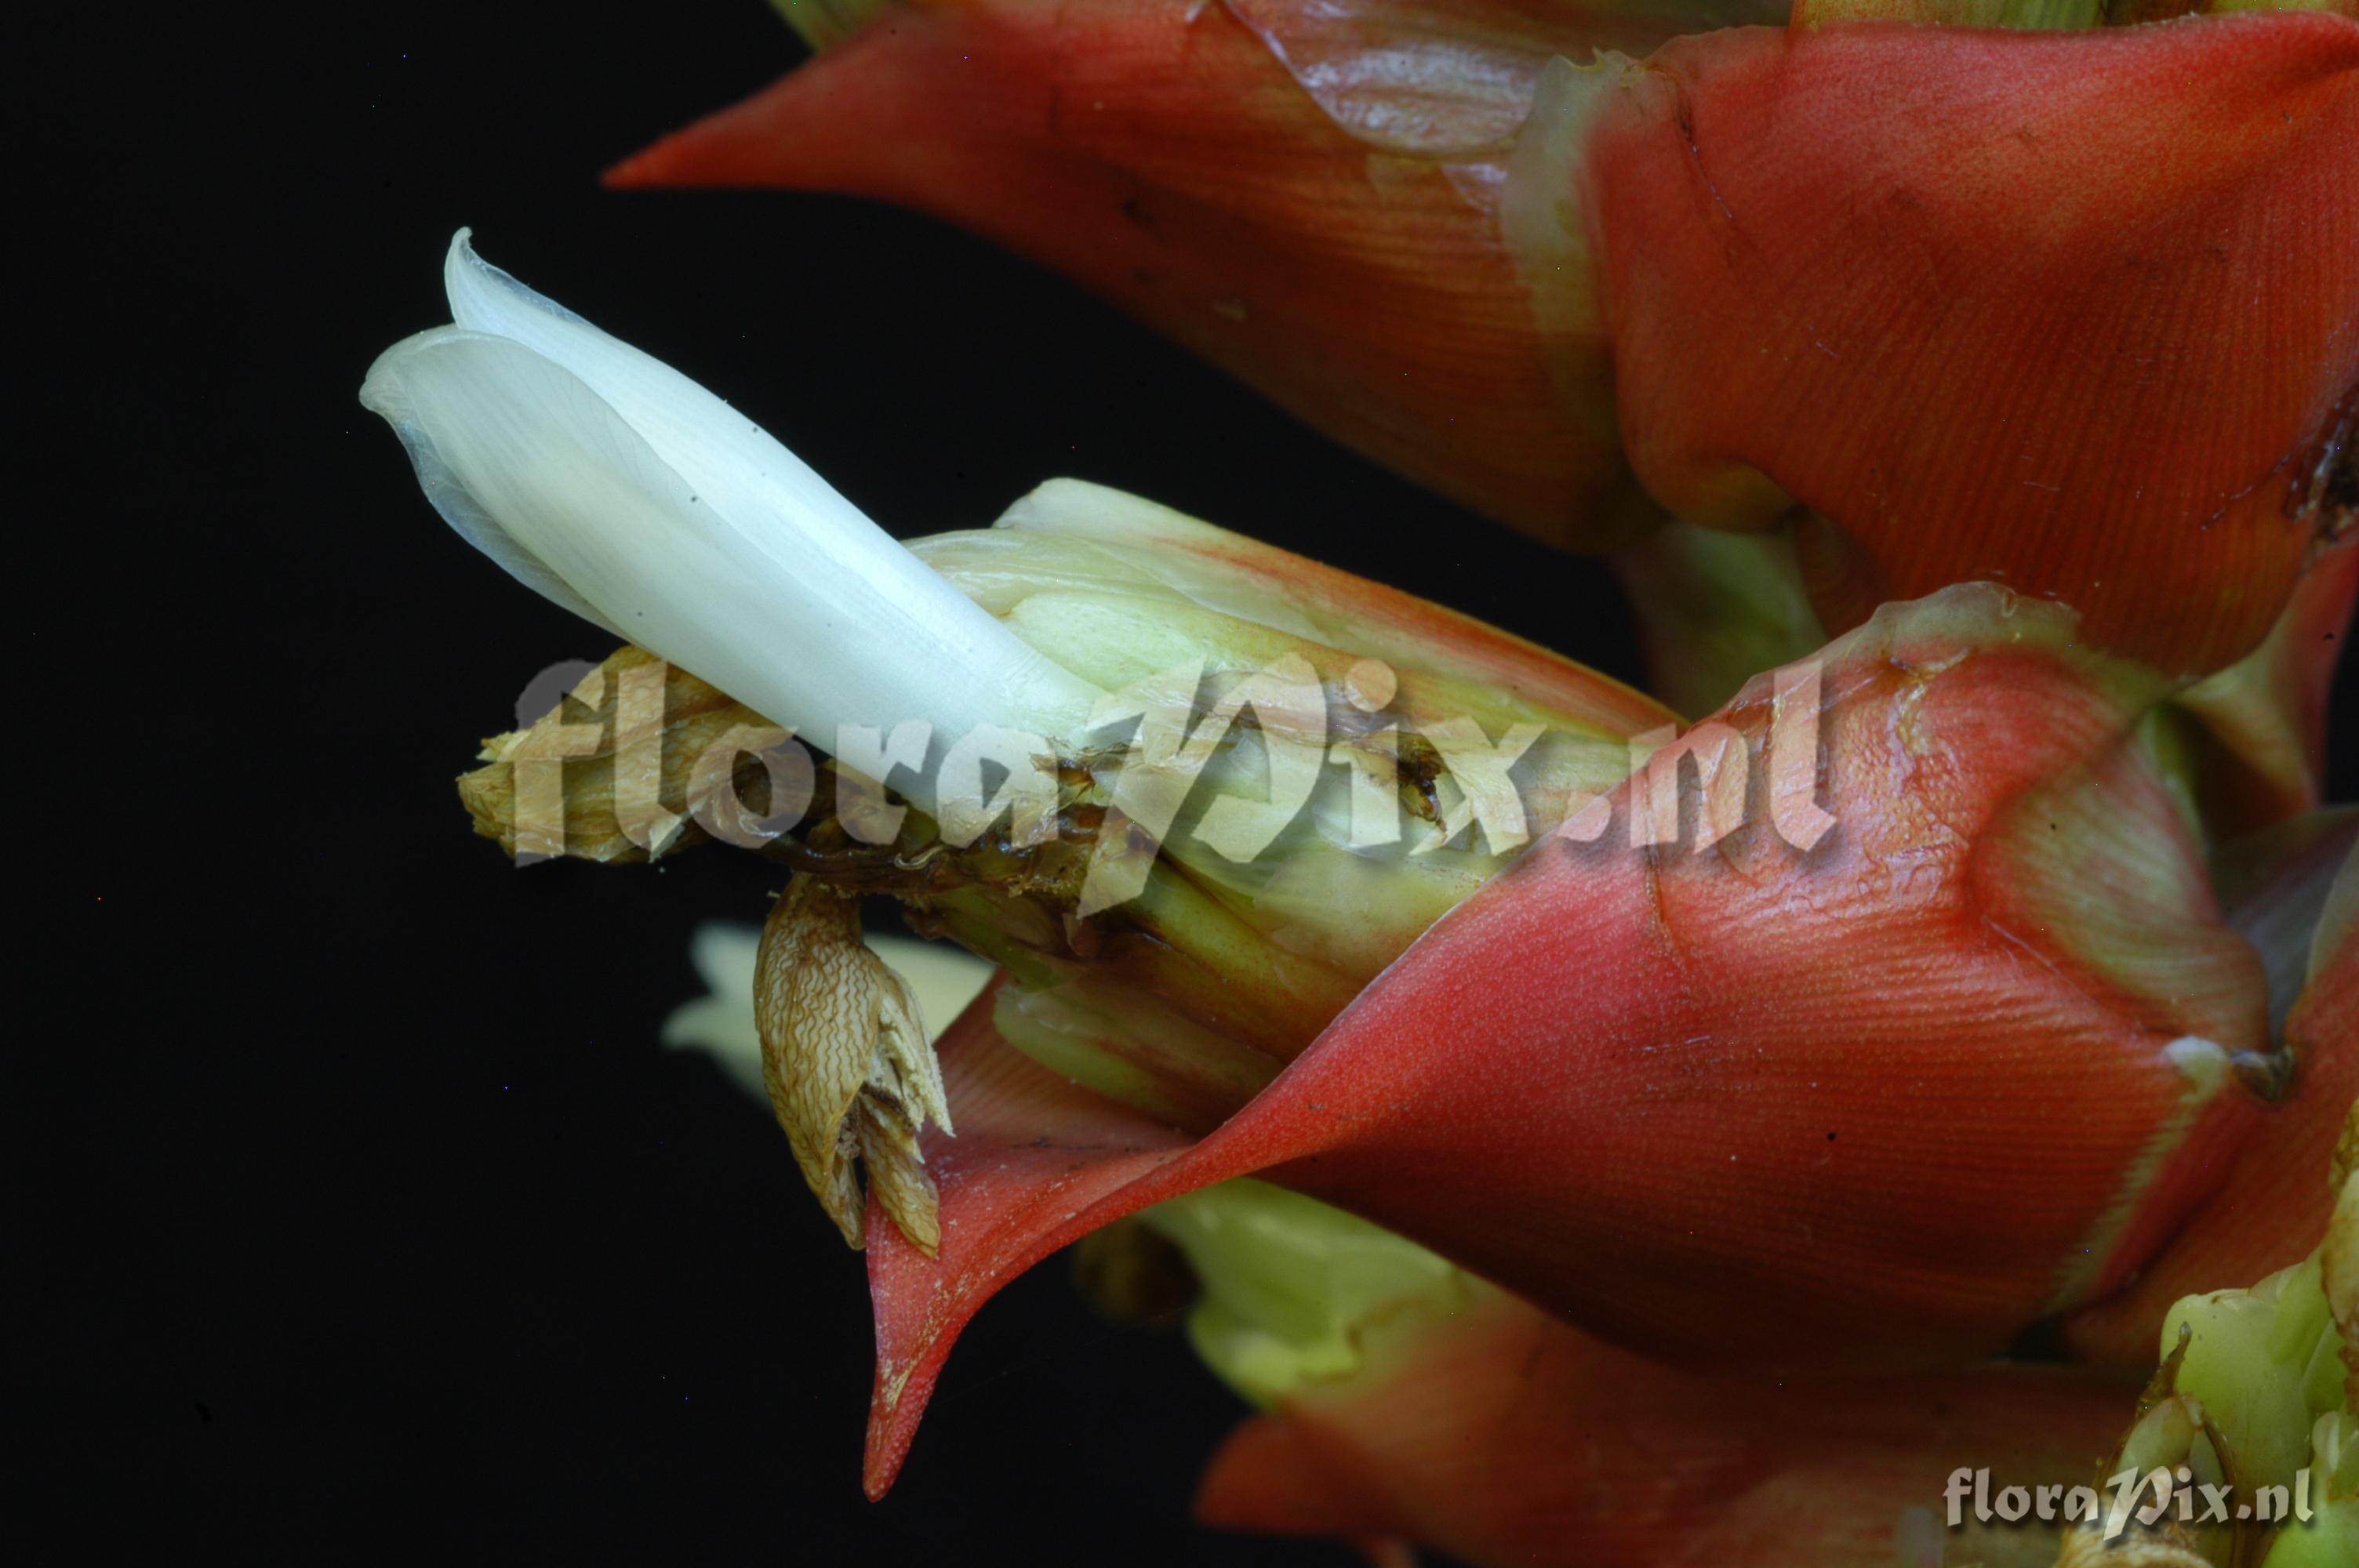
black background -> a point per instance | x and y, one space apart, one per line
362 1210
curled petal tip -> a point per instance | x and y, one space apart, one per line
624 491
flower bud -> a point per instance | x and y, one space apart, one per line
2257 1396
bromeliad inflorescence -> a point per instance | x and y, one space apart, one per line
1969 409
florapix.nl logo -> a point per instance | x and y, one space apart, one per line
1231 759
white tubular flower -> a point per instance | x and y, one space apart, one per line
1202 747
624 491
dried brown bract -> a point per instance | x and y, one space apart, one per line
846 1060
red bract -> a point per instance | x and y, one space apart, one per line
1344 257
2078 313
1502 1437
1954 304
2265 714
1876 1104
2269 1211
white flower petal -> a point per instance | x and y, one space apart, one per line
385 395
629 494
732 461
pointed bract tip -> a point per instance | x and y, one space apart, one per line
641 169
